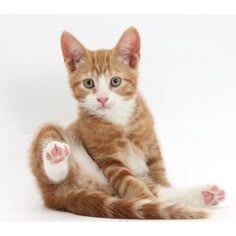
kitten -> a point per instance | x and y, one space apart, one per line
108 162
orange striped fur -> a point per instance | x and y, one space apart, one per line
126 194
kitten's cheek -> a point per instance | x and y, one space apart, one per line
113 105
82 100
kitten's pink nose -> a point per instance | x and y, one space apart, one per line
102 100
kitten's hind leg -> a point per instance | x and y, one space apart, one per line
50 155
195 196
55 160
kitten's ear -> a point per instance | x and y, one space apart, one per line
128 47
73 51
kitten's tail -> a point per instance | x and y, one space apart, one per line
99 204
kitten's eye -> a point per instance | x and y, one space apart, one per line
88 83
115 81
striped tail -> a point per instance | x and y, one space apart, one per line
97 204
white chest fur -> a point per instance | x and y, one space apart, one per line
122 111
136 161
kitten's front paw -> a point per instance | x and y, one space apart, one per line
213 195
56 152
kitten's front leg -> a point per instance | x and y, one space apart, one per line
123 182
55 160
155 163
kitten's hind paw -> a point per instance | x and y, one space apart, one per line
213 195
55 160
56 152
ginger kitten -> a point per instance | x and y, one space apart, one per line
108 162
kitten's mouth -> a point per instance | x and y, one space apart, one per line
103 108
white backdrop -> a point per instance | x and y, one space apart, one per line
187 75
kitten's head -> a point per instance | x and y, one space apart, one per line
104 80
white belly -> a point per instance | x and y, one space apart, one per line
87 166
136 161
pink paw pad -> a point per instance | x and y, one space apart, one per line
215 203
214 188
213 195
56 152
208 197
